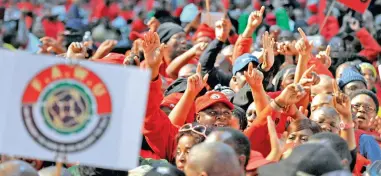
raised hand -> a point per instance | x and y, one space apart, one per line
276 151
268 46
199 48
104 49
292 94
196 82
309 78
342 103
153 52
76 50
287 48
303 46
51 45
153 24
254 77
255 18
222 30
324 57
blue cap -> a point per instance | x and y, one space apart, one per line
350 75
242 61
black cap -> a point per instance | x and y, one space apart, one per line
314 159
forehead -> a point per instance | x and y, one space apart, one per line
180 34
305 132
363 99
321 99
355 83
328 116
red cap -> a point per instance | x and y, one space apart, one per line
211 98
138 25
135 35
171 100
112 58
204 31
256 160
270 19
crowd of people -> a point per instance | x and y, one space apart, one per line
273 87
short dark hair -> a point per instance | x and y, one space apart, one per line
240 143
366 92
335 142
239 113
303 124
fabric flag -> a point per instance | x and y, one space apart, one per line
358 5
86 111
282 19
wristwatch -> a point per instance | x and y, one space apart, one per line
345 126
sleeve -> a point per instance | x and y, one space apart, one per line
158 129
258 132
242 46
207 60
370 45
354 158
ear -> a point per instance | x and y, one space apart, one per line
242 160
203 174
234 79
198 117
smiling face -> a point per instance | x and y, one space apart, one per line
184 145
363 108
218 114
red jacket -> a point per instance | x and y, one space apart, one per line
370 45
158 130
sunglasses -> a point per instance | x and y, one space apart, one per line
198 129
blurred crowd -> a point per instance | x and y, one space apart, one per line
238 87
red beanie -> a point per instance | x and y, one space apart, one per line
204 31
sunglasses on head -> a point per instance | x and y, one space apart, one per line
198 129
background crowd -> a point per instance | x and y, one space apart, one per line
272 87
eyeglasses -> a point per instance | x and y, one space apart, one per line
215 114
367 108
198 129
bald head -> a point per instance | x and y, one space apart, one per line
327 118
321 100
187 70
324 86
212 159
17 167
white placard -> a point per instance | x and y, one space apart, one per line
214 17
92 112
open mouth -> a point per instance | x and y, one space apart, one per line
361 117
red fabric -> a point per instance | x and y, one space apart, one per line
68 4
256 160
178 11
241 46
28 22
210 98
226 3
331 28
370 45
149 4
28 6
314 19
101 10
361 161
313 8
158 130
138 26
149 154
233 39
171 101
112 58
204 31
357 5
135 35
319 67
270 19
127 15
52 29
322 7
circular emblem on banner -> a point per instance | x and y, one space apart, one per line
66 108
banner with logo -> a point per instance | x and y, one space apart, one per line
90 112
358 5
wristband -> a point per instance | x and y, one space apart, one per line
346 126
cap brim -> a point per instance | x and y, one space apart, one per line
276 169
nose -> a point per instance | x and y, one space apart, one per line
182 157
361 109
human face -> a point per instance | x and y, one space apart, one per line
288 78
328 122
299 137
321 100
251 114
237 82
218 115
184 146
203 39
369 77
322 88
353 86
177 45
363 109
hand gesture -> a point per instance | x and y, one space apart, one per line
51 45
153 52
287 48
324 57
255 18
76 50
199 48
104 49
254 77
222 30
268 46
292 94
276 151
303 46
196 21
342 103
354 24
309 78
196 82
153 24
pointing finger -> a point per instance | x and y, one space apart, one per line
301 32
198 71
262 10
328 50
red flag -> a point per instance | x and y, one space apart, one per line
358 5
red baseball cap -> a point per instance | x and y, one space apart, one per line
256 160
211 98
171 100
112 58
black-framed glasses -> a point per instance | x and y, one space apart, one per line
367 108
215 114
